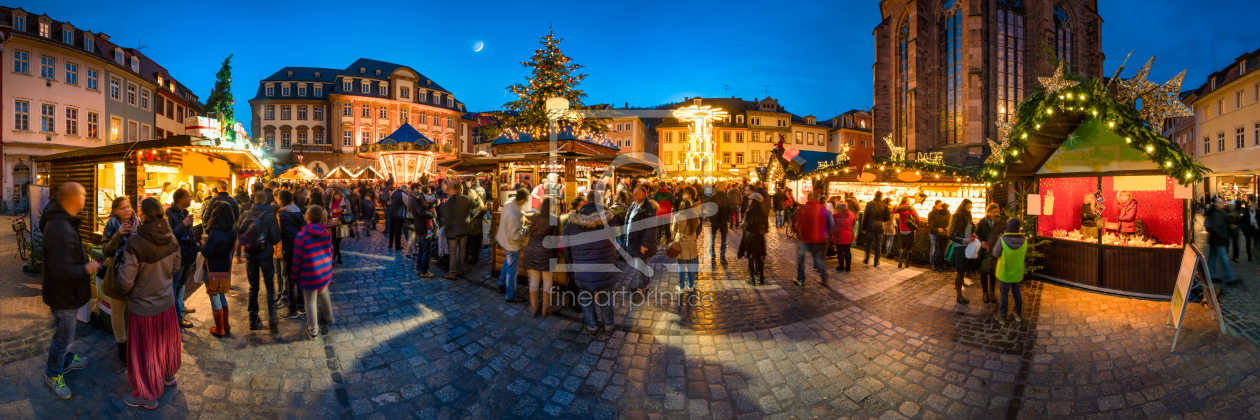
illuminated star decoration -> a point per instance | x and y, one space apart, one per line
898 152
1133 89
996 152
1057 82
1164 102
1004 128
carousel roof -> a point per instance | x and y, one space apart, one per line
406 134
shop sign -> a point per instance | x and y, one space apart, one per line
1190 260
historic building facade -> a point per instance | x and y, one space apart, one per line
746 135
946 71
66 88
324 114
1227 126
852 129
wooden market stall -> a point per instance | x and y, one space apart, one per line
139 170
339 173
298 172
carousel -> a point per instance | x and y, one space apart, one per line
699 160
406 156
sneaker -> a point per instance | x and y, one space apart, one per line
169 381
309 334
279 304
678 289
76 363
58 386
1018 318
799 282
323 330
1000 319
592 331
294 314
426 275
134 400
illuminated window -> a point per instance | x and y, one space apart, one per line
951 83
798 137
1220 107
45 30
1238 99
1063 36
739 158
1010 57
115 129
809 138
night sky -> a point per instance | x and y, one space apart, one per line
815 56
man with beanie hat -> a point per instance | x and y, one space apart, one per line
1010 268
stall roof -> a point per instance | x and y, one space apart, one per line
475 163
241 160
339 172
813 159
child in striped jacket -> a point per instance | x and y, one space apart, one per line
312 269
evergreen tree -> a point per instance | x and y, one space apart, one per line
553 75
220 100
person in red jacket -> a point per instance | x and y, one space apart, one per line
815 226
843 220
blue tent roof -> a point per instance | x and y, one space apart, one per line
406 134
812 159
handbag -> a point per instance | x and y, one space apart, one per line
199 274
949 252
674 250
218 283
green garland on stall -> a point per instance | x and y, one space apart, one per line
889 166
1091 99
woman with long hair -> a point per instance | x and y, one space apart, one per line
536 260
153 336
905 231
753 244
962 233
686 226
121 224
216 246
337 222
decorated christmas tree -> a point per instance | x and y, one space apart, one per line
553 75
220 100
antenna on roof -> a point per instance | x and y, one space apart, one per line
725 88
140 45
766 90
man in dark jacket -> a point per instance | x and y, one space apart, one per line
180 221
718 221
1217 223
453 216
396 212
67 279
641 238
876 215
476 223
938 222
422 206
589 249
780 200
291 222
261 221
221 195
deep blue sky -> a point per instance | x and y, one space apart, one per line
815 55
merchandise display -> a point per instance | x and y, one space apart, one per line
1154 219
922 195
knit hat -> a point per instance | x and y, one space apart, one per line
1012 225
755 197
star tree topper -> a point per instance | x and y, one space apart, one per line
1057 82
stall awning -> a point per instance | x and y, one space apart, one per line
475 163
813 159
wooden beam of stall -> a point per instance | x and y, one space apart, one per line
570 180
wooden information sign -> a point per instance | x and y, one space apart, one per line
1190 260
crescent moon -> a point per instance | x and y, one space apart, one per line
478 46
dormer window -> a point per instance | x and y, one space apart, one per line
19 22
362 70
319 89
135 64
302 89
284 90
422 96
316 75
366 87
378 72
450 103
290 73
67 36
45 29
345 86
382 89
739 119
118 57
271 90
428 82
88 43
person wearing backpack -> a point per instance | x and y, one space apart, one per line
259 232
291 222
718 223
1009 253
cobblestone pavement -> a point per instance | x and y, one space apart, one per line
24 322
875 343
1240 304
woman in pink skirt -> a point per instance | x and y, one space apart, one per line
151 258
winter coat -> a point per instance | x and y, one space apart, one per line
291 221
312 257
844 227
454 214
421 207
66 281
1217 225
589 240
989 230
218 250
641 230
876 215
222 196
664 202
780 198
509 223
183 234
1128 216
151 259
367 210
814 223
722 216
1088 216
938 221
959 225
476 215
687 238
270 230
756 224
397 205
906 213
242 199
537 255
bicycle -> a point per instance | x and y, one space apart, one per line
23 234
792 228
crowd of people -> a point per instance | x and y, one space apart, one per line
1231 226
288 236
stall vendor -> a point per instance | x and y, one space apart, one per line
1127 213
1089 217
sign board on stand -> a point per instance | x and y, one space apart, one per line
1190 260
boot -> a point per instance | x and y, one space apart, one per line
217 329
227 326
122 353
546 304
961 300
533 303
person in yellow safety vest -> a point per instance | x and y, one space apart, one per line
1010 268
